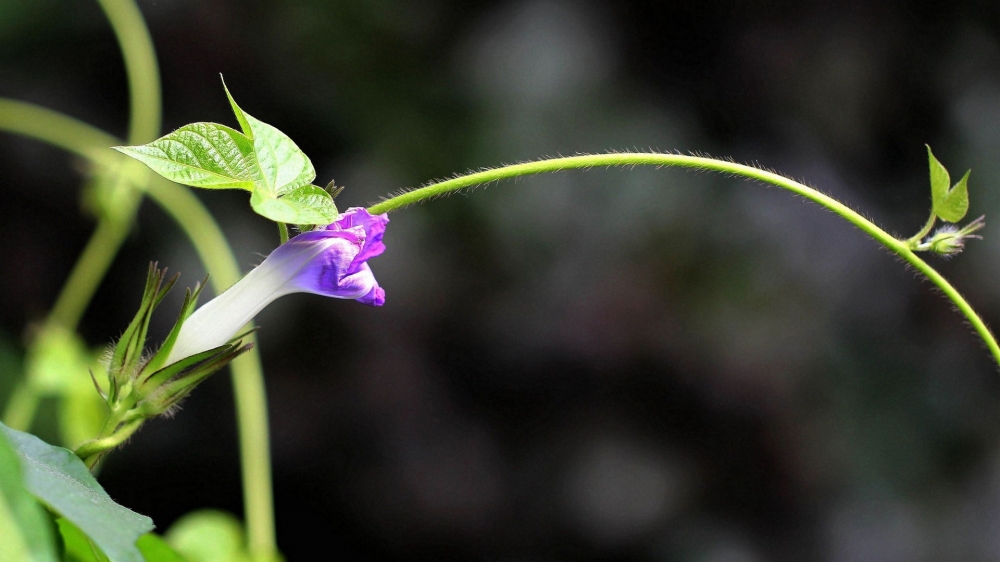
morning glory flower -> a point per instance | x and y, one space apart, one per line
330 261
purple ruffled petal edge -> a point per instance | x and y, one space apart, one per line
374 229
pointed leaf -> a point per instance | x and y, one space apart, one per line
952 204
306 205
940 181
956 203
206 155
283 165
60 480
25 532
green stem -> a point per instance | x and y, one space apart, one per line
140 66
282 232
213 250
92 451
93 263
899 247
914 240
89 270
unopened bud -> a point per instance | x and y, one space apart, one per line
950 240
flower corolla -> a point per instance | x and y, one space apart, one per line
330 261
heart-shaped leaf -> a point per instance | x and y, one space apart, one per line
206 155
283 165
60 480
309 204
25 532
952 204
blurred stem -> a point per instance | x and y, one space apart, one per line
214 251
90 268
21 407
899 247
93 263
282 232
140 66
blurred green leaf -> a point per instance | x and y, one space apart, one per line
58 363
25 532
79 548
155 549
209 536
76 545
60 480
306 205
206 155
283 166
950 205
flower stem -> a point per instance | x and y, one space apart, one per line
914 240
899 247
282 232
210 243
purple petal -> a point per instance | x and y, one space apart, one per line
358 218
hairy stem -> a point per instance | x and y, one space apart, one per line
899 247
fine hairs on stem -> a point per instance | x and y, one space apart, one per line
901 248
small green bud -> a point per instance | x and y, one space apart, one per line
949 240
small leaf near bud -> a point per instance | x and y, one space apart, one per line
952 204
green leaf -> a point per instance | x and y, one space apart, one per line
950 205
283 165
25 532
206 155
209 536
77 547
306 205
60 480
155 549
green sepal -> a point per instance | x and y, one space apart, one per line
187 308
153 380
171 384
205 155
128 350
950 203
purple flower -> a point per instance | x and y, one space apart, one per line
331 261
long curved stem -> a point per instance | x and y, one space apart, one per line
901 248
140 66
213 250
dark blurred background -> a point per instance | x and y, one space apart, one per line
628 365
